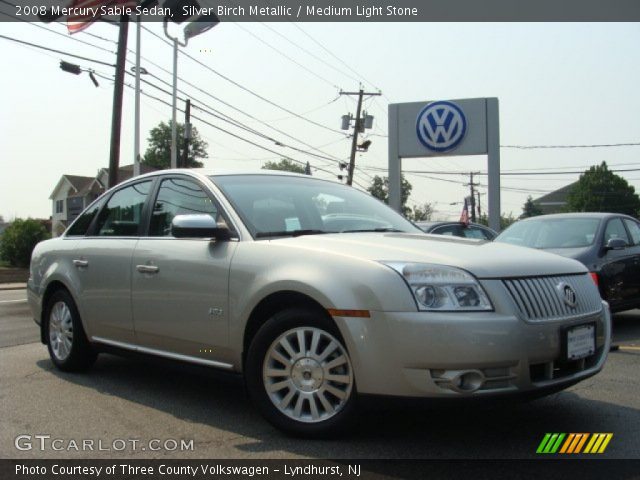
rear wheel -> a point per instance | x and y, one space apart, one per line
67 343
299 374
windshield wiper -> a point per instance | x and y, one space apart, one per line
291 233
381 229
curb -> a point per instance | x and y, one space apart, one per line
13 286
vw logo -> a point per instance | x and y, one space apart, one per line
568 294
441 126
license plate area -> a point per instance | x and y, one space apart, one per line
579 341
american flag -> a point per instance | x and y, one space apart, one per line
87 13
464 216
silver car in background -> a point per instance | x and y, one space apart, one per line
315 292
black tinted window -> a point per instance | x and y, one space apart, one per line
451 230
80 226
634 230
615 229
123 213
178 197
474 232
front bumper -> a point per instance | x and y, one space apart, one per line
446 355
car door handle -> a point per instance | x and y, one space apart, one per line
147 268
81 263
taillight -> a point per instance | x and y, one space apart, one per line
594 277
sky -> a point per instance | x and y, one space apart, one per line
557 84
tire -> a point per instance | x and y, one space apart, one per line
67 342
309 391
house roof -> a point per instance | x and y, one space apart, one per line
559 195
76 182
126 171
555 201
84 185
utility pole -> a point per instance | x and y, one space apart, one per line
472 196
187 136
118 90
357 127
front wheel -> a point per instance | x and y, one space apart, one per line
299 374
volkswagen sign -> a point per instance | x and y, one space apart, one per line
441 126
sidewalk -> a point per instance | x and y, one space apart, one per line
13 286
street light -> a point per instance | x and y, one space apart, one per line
200 25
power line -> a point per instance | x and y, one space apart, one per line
504 173
246 89
190 84
231 133
280 52
219 115
34 45
311 54
601 145
358 74
13 17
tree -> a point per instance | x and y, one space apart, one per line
380 189
285 165
422 213
19 239
158 154
601 190
505 220
530 209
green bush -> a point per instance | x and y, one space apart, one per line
19 239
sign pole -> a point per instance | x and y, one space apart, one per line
493 153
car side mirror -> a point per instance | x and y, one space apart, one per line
616 244
198 226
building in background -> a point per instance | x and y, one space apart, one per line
556 201
73 193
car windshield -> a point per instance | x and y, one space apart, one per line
274 205
552 233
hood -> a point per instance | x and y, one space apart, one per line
483 259
575 253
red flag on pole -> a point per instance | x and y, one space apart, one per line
85 12
464 216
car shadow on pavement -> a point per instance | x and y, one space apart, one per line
501 430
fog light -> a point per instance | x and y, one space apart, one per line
470 381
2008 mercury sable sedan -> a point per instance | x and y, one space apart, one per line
315 292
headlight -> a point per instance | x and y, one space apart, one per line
442 288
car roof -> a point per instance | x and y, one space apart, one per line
559 216
437 224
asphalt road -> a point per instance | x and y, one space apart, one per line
132 399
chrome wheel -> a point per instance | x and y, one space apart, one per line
307 374
60 330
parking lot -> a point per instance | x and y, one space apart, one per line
125 399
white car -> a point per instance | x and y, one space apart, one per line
315 292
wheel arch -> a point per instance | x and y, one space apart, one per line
276 302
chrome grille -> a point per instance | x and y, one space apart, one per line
539 299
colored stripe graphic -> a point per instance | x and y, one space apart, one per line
574 443
550 443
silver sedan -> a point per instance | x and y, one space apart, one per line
314 292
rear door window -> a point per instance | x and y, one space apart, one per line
122 215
